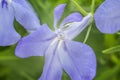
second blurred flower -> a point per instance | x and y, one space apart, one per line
23 13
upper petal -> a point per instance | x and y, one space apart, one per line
26 17
78 60
58 13
36 43
52 68
74 17
24 3
107 16
8 35
75 28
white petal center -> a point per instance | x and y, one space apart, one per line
60 34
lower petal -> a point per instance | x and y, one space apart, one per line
52 68
78 60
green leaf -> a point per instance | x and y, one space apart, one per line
112 50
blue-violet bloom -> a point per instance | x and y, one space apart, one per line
107 16
61 53
23 13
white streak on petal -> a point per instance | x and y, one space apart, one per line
54 41
60 44
75 28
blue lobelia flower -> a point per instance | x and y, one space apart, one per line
61 53
107 16
23 13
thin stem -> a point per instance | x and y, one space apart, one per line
90 27
80 8
88 33
93 6
112 50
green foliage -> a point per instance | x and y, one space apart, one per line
13 68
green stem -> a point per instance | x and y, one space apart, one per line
80 8
90 27
88 33
93 6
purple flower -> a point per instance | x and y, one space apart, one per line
23 13
107 16
61 53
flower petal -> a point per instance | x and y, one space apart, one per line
58 13
52 68
78 60
26 17
74 17
36 43
107 20
25 4
75 28
8 35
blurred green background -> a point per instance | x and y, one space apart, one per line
108 61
